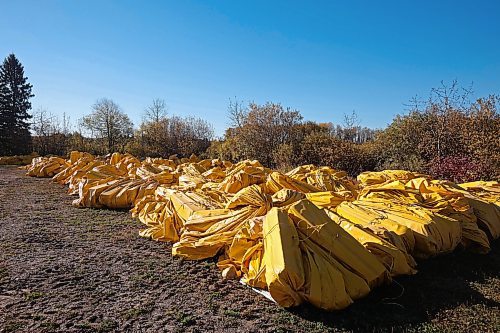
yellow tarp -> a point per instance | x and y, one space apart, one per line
308 257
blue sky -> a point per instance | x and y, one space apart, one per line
325 58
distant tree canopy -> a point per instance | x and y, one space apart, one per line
279 137
15 94
447 136
162 136
262 131
51 134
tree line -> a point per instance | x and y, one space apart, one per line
448 135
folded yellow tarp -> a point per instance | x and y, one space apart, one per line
377 221
44 167
396 260
309 258
219 229
285 275
317 227
378 177
434 233
277 181
453 202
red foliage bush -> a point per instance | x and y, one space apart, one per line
457 168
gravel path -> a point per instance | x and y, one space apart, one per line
64 269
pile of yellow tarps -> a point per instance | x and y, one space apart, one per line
308 257
310 235
389 251
204 234
448 199
379 177
46 166
324 179
489 191
22 160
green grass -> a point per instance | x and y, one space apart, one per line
33 296
186 319
83 326
107 325
232 313
136 312
183 318
50 326
12 326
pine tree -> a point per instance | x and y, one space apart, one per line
15 92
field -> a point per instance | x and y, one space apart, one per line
64 269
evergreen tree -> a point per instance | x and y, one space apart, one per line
15 92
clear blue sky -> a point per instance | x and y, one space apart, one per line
325 58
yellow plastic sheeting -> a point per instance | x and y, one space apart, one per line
378 177
165 214
300 172
489 191
23 161
82 169
191 177
219 230
215 174
305 256
244 257
445 210
165 164
158 217
286 197
44 167
328 240
488 216
315 225
378 222
484 202
439 198
277 181
329 199
241 176
434 233
74 156
89 195
481 200
396 260
121 197
284 273
156 172
325 179
116 194
484 198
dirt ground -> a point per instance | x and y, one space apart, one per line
64 269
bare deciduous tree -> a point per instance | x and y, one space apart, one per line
237 113
108 122
44 123
157 111
48 137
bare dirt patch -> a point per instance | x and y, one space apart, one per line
64 269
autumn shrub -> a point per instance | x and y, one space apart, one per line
459 168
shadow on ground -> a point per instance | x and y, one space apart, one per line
442 283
